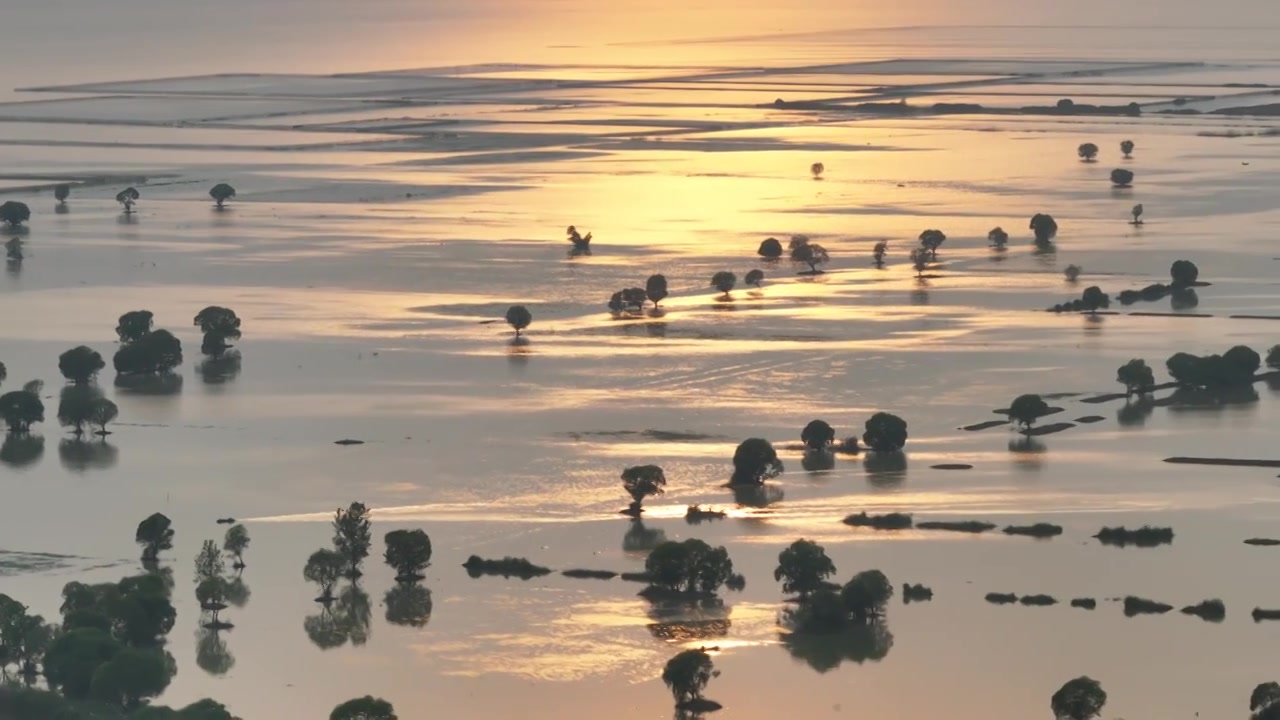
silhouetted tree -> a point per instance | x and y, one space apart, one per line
1072 273
4 373
1243 360
209 563
74 656
755 461
866 595
754 277
131 676
127 197
1126 147
770 248
580 242
1135 376
61 193
519 317
687 675
998 237
152 354
803 568
365 708
1137 214
101 412
154 534
817 435
691 566
1273 358
211 593
920 260
76 407
640 482
80 364
1122 178
351 536
235 543
408 604
14 213
811 254
219 325
931 240
655 288
1264 702
20 410
1026 409
1044 227
724 281
817 169
634 298
877 252
885 432
1184 273
1094 300
1087 152
134 325
324 568
408 553
221 193
1079 699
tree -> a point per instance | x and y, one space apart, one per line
997 237
76 406
14 213
1137 214
1122 178
811 254
770 248
885 432
132 676
235 543
209 563
755 461
133 325
73 658
324 568
931 240
691 567
365 708
1126 147
127 197
640 482
212 655
754 277
817 435
154 534
221 193
408 552
1026 409
655 288
920 260
61 192
1094 299
1184 273
1072 272
4 373
218 324
1273 357
136 611
154 353
1087 152
817 169
20 410
803 568
1243 361
1135 376
877 252
724 281
101 412
580 242
351 536
80 364
1044 227
519 317
687 675
1264 702
866 595
211 593
1079 699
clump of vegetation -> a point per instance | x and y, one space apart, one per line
1038 600
689 568
365 708
878 252
590 574
1001 598
754 277
507 567
770 248
1087 152
20 410
580 242
920 261
519 317
1143 537
1141 606
324 567
1208 610
1079 699
1122 178
1136 211
803 568
1184 273
696 514
885 432
655 288
1084 603
128 197
1262 542
1072 273
687 675
848 446
965 526
14 213
234 543
152 353
931 240
80 364
219 325
724 282
154 534
1038 530
817 169
892 521
1264 702
1234 368
916 593
1044 227
408 553
1126 147
221 193
817 435
352 537
998 237
811 254
640 482
755 461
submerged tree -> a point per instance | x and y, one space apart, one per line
519 317
14 213
1087 152
154 534
235 543
997 237
817 435
931 240
76 407
211 593
101 412
803 568
324 568
811 254
1079 699
755 461
408 553
920 261
878 252
1122 178
128 197
1072 273
1126 147
770 248
817 169
687 675
1137 214
1094 300
691 567
219 325
209 563
134 325
885 432
365 708
1264 702
1044 227
724 281
866 595
221 193
80 364
640 482
20 410
655 288
580 242
1184 273
754 277
1026 409
1136 377
61 192
351 536
154 353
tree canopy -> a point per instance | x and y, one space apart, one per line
754 277
866 595
351 536
209 562
221 193
755 461
324 568
1087 151
154 534
1184 273
151 354
1079 699
931 240
770 248
1135 376
20 410
235 543
724 281
642 481
1026 409
1126 147
133 325
14 213
817 435
803 568
365 708
80 364
687 675
691 566
408 552
519 317
811 254
1121 178
885 432
1044 227
655 288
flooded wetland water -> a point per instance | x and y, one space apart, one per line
386 218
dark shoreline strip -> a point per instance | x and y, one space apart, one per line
1232 462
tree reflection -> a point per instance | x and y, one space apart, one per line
1218 398
409 605
21 450
352 613
681 622
760 495
212 654
165 573
220 370
323 631
859 643
80 455
818 460
885 469
1136 411
237 592
161 385
640 539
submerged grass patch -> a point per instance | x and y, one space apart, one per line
892 521
507 567
1039 530
965 526
1262 542
1143 537
1142 606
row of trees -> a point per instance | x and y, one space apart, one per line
14 213
1088 152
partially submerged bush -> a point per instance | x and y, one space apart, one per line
803 568
14 213
755 461
1122 178
691 567
817 435
1039 530
1026 409
885 432
966 526
1087 152
1142 606
770 248
1126 147
866 595
997 237
1143 537
1001 598
931 240
640 482
753 277
507 567
724 281
1085 603
1184 273
695 514
1079 699
892 521
1209 610
1038 600
1044 227
916 593
519 317
1136 377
